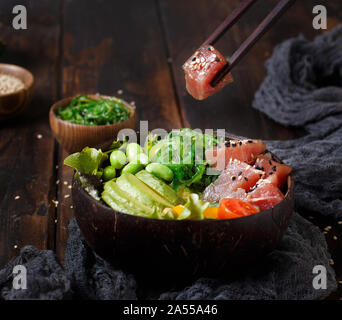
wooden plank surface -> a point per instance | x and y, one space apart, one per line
123 52
26 162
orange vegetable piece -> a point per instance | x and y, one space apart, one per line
178 209
211 213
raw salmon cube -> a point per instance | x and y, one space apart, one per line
201 68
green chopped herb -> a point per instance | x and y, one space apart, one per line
84 110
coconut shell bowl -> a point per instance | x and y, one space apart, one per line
74 137
181 248
13 104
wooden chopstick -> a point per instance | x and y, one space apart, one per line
229 21
261 29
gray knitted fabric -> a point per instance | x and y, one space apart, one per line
302 88
317 167
91 276
304 80
46 279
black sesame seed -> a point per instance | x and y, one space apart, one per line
240 173
227 144
240 143
246 178
194 58
274 168
234 145
250 141
217 59
252 189
257 167
260 175
270 162
233 178
271 173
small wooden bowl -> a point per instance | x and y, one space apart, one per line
181 248
74 137
12 104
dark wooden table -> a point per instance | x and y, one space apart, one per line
138 47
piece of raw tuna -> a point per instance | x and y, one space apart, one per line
201 68
238 177
243 150
264 195
275 172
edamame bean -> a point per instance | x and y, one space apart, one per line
132 151
160 171
109 173
132 168
117 159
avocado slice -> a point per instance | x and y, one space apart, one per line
159 186
141 192
123 202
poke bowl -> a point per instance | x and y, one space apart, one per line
186 247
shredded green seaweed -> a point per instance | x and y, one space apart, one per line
84 110
183 151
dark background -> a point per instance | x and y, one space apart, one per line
138 46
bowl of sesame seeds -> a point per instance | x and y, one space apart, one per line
16 88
